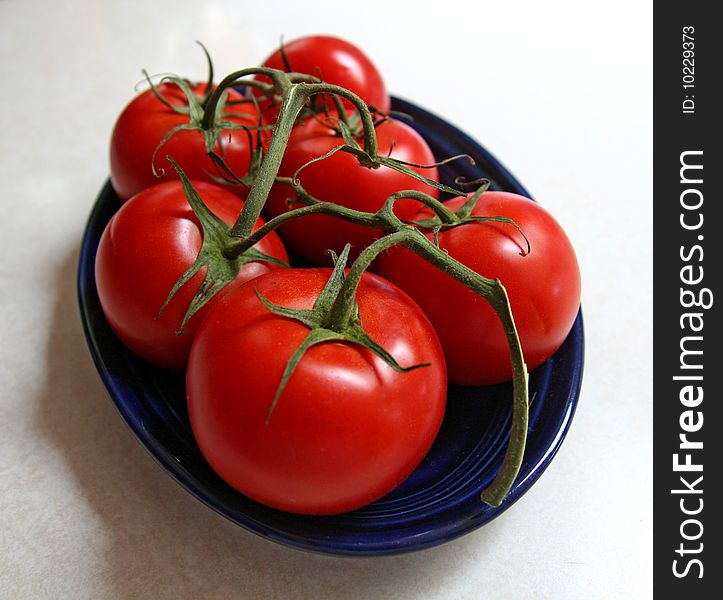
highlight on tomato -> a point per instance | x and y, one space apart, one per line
144 251
543 286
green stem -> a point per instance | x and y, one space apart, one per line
236 247
341 111
209 80
446 216
495 293
294 98
266 88
342 311
370 139
492 290
281 81
385 219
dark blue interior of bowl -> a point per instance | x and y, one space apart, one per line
440 500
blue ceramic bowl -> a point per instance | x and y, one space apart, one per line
440 500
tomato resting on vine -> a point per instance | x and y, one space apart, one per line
137 144
334 61
341 179
543 286
302 410
144 251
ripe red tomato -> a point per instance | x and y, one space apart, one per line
146 121
543 287
347 428
334 61
342 180
146 247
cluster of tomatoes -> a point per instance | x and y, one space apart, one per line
347 426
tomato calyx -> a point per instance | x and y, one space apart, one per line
208 115
212 132
208 88
463 215
353 122
222 264
329 325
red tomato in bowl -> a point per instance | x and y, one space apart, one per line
146 247
347 428
335 61
342 180
146 121
543 287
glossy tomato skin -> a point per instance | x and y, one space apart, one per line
340 179
543 287
337 62
146 121
347 428
146 247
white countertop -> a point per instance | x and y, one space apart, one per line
560 92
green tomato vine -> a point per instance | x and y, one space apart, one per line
334 317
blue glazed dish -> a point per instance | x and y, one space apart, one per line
439 501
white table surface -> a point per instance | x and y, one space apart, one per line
560 91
